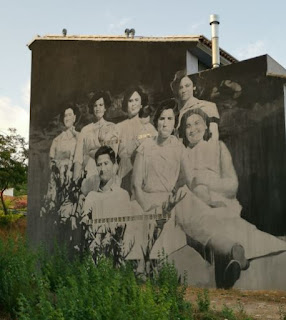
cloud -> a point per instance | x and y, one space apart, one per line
13 116
252 50
119 25
195 26
26 89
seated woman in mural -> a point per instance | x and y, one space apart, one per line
93 135
156 170
182 87
133 131
206 157
210 214
158 160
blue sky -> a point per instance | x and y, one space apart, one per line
247 29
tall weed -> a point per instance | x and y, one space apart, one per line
17 273
203 301
78 289
35 285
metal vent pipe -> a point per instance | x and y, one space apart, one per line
214 22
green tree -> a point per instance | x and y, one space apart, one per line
13 162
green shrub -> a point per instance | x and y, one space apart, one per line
203 301
228 313
35 285
17 273
79 289
172 290
7 220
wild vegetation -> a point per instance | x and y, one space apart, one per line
13 163
35 285
13 224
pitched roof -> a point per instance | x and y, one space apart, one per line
200 39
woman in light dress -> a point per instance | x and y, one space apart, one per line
158 160
156 170
94 135
63 146
133 131
61 163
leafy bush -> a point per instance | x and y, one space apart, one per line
166 280
21 190
20 203
7 220
15 206
17 273
203 301
40 286
228 313
37 285
85 291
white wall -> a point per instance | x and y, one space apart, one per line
9 192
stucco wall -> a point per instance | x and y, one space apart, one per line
211 197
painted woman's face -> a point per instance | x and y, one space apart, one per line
69 118
166 123
99 108
134 104
185 89
195 128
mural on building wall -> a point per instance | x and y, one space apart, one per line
161 181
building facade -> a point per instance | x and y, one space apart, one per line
201 174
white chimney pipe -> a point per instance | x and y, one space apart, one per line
214 22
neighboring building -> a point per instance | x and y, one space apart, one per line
9 192
245 99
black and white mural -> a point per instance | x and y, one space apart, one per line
136 174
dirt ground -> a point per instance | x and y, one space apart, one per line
262 305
